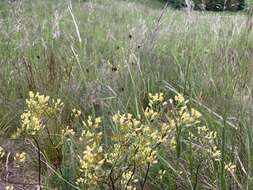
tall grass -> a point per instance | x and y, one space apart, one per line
106 56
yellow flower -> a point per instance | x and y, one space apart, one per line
195 114
203 129
80 181
150 114
98 120
68 132
187 118
20 157
76 112
230 167
179 98
91 164
157 97
215 153
161 173
126 176
39 107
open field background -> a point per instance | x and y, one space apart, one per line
105 56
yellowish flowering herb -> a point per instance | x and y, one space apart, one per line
230 167
39 107
150 114
20 158
76 112
156 98
195 114
68 132
179 98
161 174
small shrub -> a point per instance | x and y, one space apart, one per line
212 5
177 3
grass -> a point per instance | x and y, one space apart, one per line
107 56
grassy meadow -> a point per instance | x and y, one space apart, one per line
124 95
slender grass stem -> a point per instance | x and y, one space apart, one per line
222 179
39 161
146 177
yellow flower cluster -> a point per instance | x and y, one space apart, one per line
38 108
133 144
136 137
203 139
156 98
68 132
207 138
76 112
126 122
91 165
179 98
187 117
195 114
230 167
20 158
145 154
90 123
161 174
150 114
126 177
155 101
93 156
215 153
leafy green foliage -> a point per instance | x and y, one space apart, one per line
212 5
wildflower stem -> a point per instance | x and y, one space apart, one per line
191 157
39 160
146 176
57 150
112 180
196 176
223 185
112 183
131 176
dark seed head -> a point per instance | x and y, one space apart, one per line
130 36
114 69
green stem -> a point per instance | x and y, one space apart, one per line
223 183
191 158
39 160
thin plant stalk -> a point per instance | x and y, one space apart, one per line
39 161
